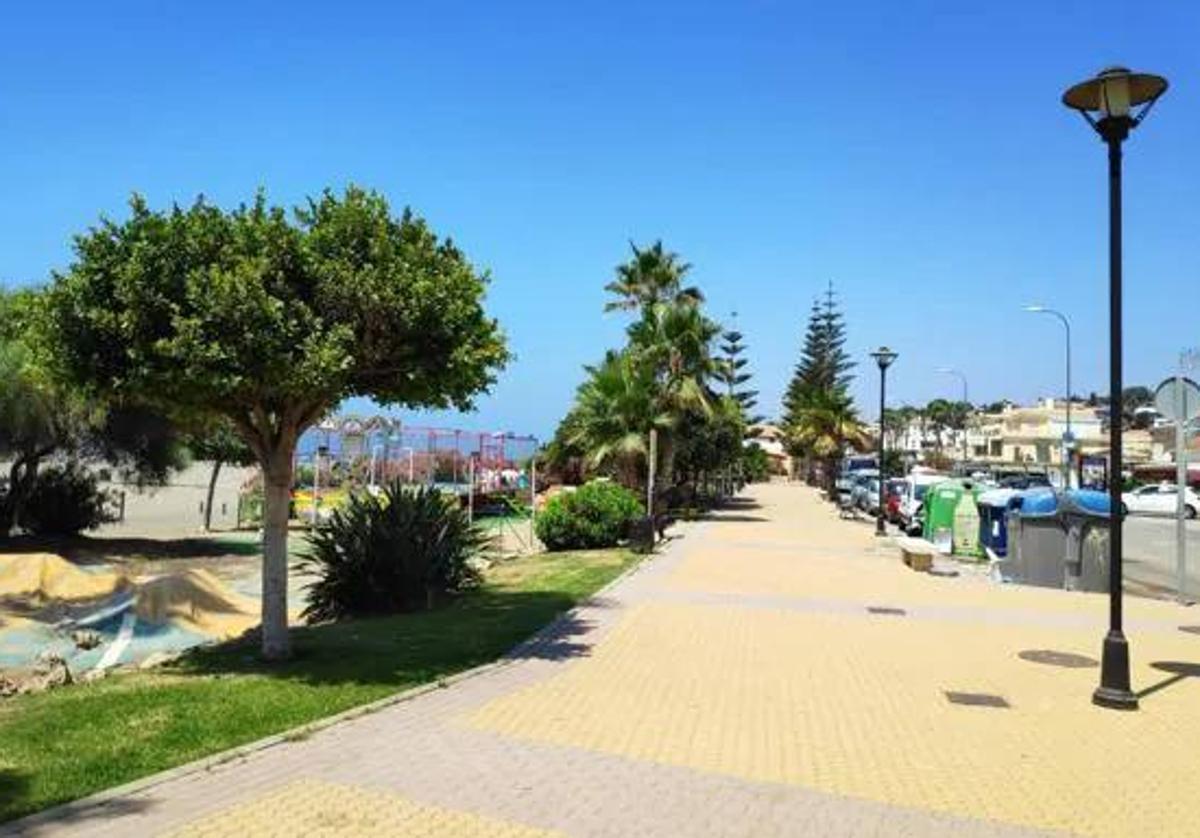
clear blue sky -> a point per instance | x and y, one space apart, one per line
914 153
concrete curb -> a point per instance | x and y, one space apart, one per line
65 812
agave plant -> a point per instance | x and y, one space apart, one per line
393 552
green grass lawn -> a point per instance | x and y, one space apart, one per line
65 744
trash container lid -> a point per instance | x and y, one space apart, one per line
1040 501
1089 500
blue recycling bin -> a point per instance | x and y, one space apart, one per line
994 506
1086 516
1037 539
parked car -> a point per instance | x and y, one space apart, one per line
864 490
852 467
912 501
1024 481
1160 499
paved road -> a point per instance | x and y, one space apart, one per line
1150 554
776 672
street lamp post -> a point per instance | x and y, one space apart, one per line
1107 102
967 406
884 357
1068 437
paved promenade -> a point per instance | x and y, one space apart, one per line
774 672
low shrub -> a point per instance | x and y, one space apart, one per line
595 515
395 551
65 500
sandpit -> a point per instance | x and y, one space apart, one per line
45 577
198 601
46 601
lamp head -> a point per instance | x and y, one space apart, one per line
1115 96
884 357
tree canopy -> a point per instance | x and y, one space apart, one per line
269 319
42 418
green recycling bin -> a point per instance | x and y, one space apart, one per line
952 517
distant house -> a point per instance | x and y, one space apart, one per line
770 439
1034 435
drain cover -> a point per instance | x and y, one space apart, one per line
976 699
1190 629
1052 658
884 609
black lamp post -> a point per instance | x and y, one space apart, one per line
884 357
1108 103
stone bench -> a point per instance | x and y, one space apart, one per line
917 553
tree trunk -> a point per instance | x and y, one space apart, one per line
277 491
212 488
20 480
8 509
664 475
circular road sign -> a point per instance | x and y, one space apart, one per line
1165 401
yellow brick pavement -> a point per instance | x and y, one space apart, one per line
854 704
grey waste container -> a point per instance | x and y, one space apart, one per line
1085 514
1037 540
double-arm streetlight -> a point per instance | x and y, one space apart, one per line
1068 437
1114 103
966 406
884 358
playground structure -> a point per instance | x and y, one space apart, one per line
492 473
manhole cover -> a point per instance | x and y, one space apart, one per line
976 699
884 609
1052 658
1190 629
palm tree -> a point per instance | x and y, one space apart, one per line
675 340
825 423
653 275
615 409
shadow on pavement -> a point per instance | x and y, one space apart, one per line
1179 671
558 644
719 515
92 814
15 802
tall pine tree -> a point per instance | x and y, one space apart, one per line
818 413
733 373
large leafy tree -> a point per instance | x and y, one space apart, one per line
709 443
41 418
268 320
944 415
